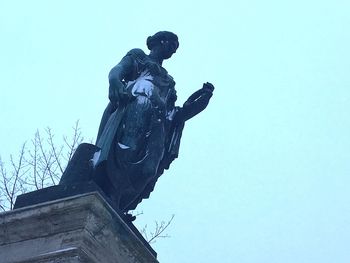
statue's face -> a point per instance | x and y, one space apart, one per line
168 48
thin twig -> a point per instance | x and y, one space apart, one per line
160 228
54 151
17 170
75 140
47 156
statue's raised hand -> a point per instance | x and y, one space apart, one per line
208 87
198 101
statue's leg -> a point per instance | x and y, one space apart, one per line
143 143
142 179
144 195
147 176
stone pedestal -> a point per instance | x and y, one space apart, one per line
82 228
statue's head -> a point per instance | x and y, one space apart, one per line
164 41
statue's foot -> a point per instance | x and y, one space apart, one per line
129 217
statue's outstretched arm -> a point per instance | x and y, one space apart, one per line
197 102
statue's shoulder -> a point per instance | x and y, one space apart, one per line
137 54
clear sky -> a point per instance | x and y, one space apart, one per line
263 174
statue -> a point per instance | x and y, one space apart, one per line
140 131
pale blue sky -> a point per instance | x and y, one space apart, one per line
263 173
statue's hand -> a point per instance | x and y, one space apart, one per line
117 93
208 87
203 94
198 101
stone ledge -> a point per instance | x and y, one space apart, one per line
68 255
84 223
56 192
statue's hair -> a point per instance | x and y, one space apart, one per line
156 39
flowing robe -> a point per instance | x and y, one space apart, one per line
140 138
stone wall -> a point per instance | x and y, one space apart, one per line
82 228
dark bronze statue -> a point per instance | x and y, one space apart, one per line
140 130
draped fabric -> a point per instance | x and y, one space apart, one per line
140 138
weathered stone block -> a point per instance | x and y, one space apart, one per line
82 228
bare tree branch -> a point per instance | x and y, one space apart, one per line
136 213
47 159
3 186
151 237
57 154
11 183
74 141
40 166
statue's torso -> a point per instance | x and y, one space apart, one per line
152 81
